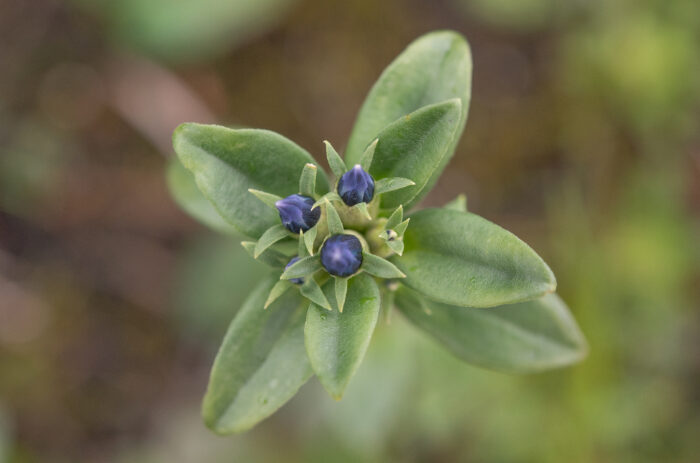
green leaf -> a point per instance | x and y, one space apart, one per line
379 267
341 292
335 162
312 291
271 236
362 208
414 147
400 229
394 219
331 196
368 155
270 256
518 338
396 246
304 266
462 259
336 342
268 199
261 363
434 68
309 238
457 204
227 162
307 182
335 225
186 194
386 185
277 291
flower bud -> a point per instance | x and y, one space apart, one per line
296 281
296 214
341 255
356 186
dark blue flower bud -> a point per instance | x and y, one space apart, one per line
341 255
296 281
296 214
356 186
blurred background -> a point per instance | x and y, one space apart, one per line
582 139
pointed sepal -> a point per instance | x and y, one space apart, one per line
307 181
267 198
457 204
277 291
335 225
270 237
368 155
363 209
335 162
379 267
270 256
312 291
304 266
341 291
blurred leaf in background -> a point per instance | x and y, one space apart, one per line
184 30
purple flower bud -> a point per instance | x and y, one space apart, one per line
341 255
356 186
296 281
296 214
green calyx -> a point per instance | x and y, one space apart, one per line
360 220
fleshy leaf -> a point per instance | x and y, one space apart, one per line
379 267
261 363
462 259
227 162
336 342
434 68
518 338
414 147
187 195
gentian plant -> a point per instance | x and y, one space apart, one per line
343 251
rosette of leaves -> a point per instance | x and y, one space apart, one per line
344 250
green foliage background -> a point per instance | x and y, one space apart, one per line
582 139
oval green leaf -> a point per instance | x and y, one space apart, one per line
434 68
261 363
414 147
227 162
336 342
462 259
518 338
186 194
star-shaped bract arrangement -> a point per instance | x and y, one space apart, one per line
346 250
